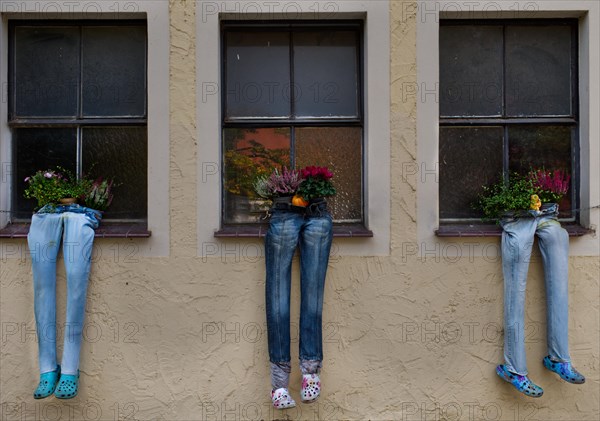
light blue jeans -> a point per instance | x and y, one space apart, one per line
517 242
74 225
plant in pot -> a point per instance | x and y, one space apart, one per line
523 193
316 184
282 183
51 187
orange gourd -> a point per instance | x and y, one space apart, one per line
299 201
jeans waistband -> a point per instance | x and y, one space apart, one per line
546 209
315 207
75 208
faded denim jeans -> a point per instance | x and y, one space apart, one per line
517 242
313 233
74 225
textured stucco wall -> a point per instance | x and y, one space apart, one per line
183 337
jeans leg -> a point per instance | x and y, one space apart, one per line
517 242
315 245
280 245
77 249
554 246
44 241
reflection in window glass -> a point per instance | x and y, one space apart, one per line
248 154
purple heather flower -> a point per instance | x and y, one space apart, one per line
27 179
48 174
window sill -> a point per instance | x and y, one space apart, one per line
256 231
107 230
493 230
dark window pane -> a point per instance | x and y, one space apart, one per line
46 71
40 149
340 149
249 153
538 70
469 159
258 74
548 147
470 70
114 71
120 153
326 74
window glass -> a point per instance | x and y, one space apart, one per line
114 71
326 74
546 147
40 149
258 74
471 70
538 70
46 75
120 153
247 155
339 149
469 158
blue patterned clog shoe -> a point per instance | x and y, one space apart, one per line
565 370
67 386
47 384
521 383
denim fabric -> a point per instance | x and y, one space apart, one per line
517 242
314 234
74 225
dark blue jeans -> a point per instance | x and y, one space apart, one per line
314 235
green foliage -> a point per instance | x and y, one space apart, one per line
501 197
49 186
313 187
317 182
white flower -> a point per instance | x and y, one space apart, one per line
48 175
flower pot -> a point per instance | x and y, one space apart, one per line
68 200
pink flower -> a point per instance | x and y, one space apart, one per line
27 179
316 172
48 174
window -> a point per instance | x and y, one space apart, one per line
291 97
508 103
78 99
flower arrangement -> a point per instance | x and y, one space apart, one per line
550 186
305 184
278 184
317 183
48 187
100 195
523 193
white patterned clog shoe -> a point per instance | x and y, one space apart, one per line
281 399
311 387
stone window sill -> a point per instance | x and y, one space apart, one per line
106 230
256 231
494 230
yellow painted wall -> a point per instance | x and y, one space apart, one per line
184 337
